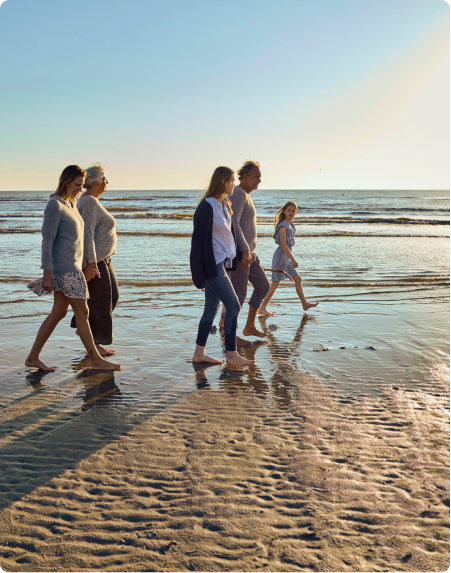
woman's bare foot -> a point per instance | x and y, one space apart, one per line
198 358
308 305
252 331
101 364
36 363
104 351
234 359
265 312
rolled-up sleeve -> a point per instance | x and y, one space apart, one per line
52 215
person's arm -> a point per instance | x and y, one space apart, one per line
88 213
285 249
238 201
50 224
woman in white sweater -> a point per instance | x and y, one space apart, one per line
62 256
99 247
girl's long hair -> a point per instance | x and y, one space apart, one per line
70 173
216 186
280 215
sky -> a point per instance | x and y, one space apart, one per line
342 94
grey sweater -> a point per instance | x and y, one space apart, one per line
244 219
62 238
100 230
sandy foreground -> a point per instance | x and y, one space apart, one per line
221 482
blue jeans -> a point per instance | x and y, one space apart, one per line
219 289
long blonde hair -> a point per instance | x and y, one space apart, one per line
216 186
70 173
280 215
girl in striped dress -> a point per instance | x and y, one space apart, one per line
283 259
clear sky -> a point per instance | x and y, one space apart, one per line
326 94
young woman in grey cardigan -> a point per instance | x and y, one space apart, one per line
99 247
62 256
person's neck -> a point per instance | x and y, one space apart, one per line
245 187
220 199
289 221
68 199
93 193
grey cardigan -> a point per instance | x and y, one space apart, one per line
62 238
100 230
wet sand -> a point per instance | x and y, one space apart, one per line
221 481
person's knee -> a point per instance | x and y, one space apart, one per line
59 313
81 312
297 279
235 307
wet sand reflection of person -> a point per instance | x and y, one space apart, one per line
98 386
283 355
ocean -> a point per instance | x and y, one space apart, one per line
376 261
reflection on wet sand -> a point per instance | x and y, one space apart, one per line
283 357
98 386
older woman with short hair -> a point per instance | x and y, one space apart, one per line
62 256
99 247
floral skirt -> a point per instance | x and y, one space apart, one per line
72 285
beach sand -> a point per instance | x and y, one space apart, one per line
220 481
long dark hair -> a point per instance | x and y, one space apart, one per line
70 173
280 215
216 186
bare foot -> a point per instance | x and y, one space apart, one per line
221 322
198 358
252 331
308 305
104 365
104 351
265 312
237 360
36 363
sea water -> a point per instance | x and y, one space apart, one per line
376 261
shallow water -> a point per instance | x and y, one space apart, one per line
383 289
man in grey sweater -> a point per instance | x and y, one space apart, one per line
249 268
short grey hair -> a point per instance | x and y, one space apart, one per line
247 167
94 173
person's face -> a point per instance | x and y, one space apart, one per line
229 185
103 183
290 212
75 187
254 178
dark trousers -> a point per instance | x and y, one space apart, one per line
103 297
253 274
219 289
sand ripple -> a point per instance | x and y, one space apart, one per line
219 482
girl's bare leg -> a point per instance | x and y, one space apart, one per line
58 312
81 311
305 305
272 290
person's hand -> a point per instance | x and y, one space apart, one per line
91 271
294 263
246 259
47 282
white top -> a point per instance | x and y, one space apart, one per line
223 243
